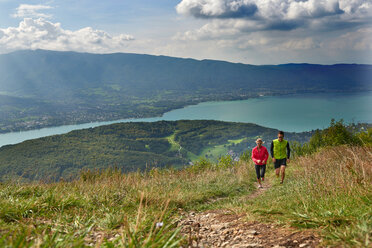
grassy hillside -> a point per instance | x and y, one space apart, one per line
128 147
47 88
329 192
110 208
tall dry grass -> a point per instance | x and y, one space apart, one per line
330 191
337 170
108 208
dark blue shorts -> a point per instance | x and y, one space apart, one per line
280 162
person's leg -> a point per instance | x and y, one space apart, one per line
277 168
263 170
282 172
257 167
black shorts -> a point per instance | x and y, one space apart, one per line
280 162
260 171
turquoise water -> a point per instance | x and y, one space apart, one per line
295 113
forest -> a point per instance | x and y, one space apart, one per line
129 147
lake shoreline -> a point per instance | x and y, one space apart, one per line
257 96
221 111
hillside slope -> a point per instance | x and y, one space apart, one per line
328 194
130 146
55 75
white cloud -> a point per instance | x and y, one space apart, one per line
212 30
269 43
280 14
33 11
217 8
294 44
43 34
245 43
282 47
281 26
360 40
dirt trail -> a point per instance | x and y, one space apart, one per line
224 228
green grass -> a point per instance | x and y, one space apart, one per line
214 152
175 146
237 141
211 152
329 191
111 209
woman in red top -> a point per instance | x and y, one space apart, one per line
259 157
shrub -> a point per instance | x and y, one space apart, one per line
365 137
336 134
226 162
246 156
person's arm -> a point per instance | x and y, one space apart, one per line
253 158
288 150
272 149
266 156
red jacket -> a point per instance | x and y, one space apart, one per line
262 155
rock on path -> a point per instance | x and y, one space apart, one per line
224 228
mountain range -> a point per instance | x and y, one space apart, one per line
41 88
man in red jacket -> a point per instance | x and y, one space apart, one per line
259 157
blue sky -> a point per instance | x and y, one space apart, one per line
247 31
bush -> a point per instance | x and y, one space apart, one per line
246 156
336 134
226 162
202 164
365 137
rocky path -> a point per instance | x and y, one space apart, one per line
224 228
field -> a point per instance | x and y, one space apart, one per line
328 193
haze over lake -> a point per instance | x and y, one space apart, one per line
295 113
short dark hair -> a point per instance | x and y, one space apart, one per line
281 132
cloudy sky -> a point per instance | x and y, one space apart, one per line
247 31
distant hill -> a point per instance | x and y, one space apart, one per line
46 88
130 146
55 75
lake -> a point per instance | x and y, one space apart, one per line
295 113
